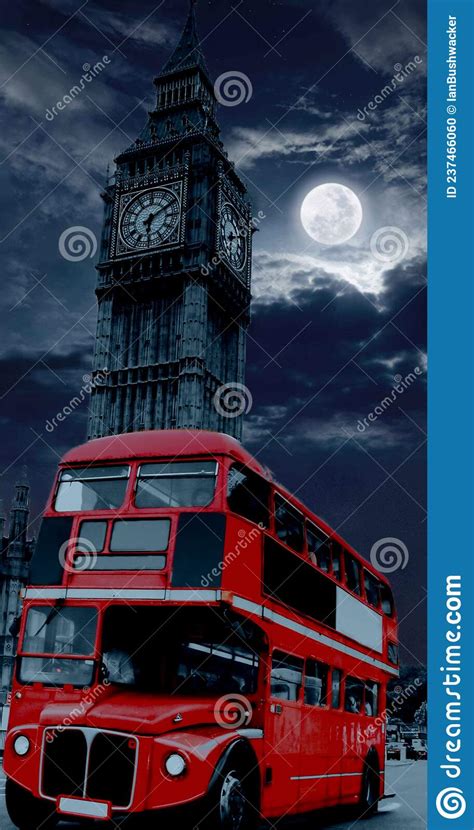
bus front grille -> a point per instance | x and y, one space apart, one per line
88 763
112 769
64 763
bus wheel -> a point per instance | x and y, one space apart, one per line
231 804
26 811
369 798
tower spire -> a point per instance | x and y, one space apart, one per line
188 51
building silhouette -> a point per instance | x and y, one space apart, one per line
174 272
15 556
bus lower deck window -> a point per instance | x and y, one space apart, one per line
315 683
371 700
58 631
287 676
354 695
336 688
182 651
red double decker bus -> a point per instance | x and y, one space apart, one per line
194 638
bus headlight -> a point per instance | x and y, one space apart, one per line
21 745
175 764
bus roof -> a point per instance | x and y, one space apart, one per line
165 442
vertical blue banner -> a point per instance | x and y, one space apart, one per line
451 414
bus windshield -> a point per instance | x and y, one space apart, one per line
176 484
52 635
91 488
193 652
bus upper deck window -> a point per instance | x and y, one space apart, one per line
387 600
248 495
372 590
176 484
336 560
289 524
353 570
319 547
393 653
91 488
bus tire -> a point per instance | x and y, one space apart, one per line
231 802
370 793
27 812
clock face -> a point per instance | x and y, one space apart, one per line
150 218
233 237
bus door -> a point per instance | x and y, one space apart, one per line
319 765
283 734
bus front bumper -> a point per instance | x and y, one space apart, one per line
97 773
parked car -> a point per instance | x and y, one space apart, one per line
418 750
395 751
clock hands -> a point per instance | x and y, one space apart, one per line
147 223
151 217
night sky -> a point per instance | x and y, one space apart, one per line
333 328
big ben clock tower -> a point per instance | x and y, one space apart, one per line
174 272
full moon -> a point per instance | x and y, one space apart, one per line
331 213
